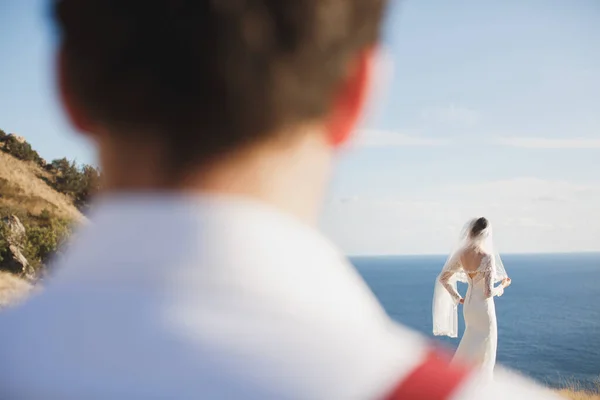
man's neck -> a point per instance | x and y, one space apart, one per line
290 176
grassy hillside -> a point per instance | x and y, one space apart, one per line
24 190
39 204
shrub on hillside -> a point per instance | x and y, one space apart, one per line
90 185
44 240
20 150
68 179
80 183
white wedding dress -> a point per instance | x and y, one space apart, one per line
480 340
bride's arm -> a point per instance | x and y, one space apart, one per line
445 278
489 271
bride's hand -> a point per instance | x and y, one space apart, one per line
506 282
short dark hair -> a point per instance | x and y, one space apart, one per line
210 76
479 226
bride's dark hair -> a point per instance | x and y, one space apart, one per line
479 226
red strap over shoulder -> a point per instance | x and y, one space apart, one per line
433 379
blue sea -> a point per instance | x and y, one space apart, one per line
548 319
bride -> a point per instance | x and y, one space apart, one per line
474 262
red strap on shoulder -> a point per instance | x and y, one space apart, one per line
433 379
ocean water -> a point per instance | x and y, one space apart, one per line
548 319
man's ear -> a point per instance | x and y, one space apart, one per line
75 112
350 99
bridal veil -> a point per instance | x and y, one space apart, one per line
445 310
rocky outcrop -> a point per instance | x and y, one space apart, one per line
13 234
18 138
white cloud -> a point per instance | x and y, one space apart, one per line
376 138
452 113
549 143
528 214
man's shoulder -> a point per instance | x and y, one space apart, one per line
284 357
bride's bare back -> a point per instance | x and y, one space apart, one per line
471 260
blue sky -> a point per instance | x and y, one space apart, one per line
482 107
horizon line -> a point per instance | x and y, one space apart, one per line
521 253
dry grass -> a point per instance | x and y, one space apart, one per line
12 289
573 391
22 186
579 395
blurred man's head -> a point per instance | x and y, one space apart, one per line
204 79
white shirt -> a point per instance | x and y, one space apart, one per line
209 298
